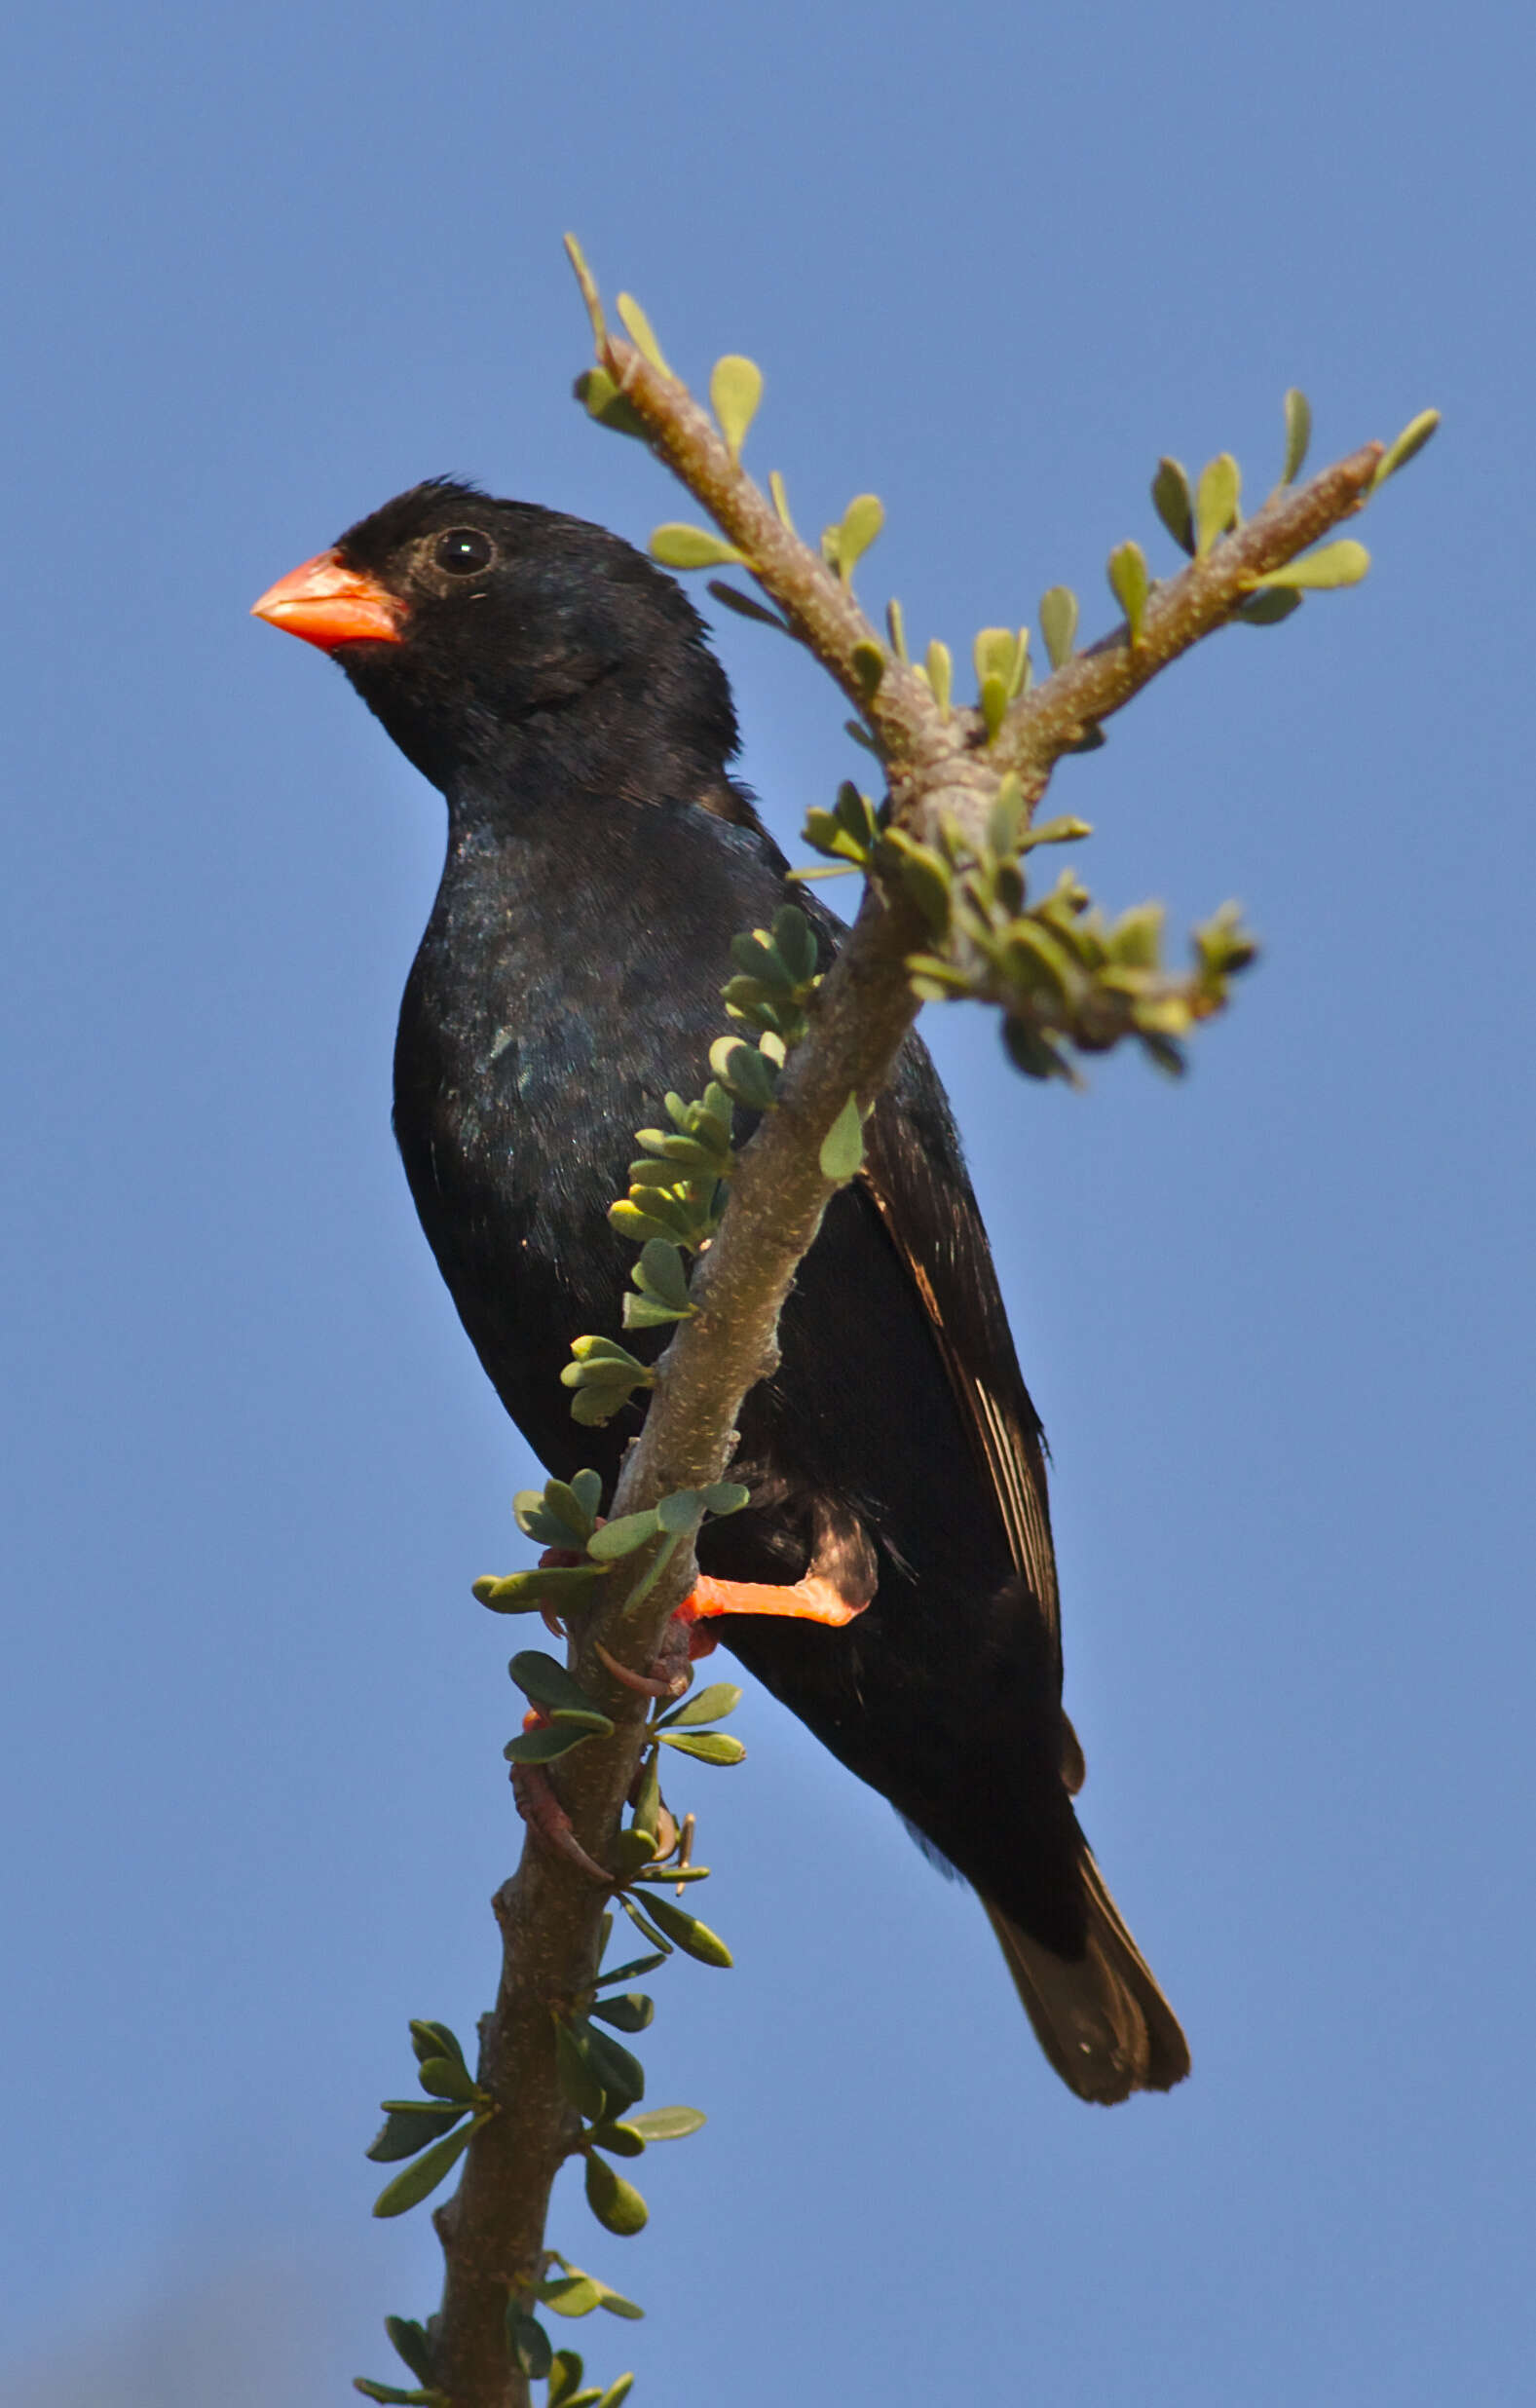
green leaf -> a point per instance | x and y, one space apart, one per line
896 629
627 1973
389 2391
1415 434
633 2011
637 326
1059 623
410 2125
524 1593
444 2076
744 1071
618 2139
1034 1054
425 2173
747 606
528 2342
941 675
868 663
709 1746
780 500
565 1503
795 940
430 2039
547 1683
581 2081
411 2345
623 1535
736 387
1322 571
659 1270
711 1705
620 2073
681 1511
1130 584
617 2392
569 2295
564 2377
1171 501
724 1496
843 1146
1267 610
695 1939
668 2122
605 1375
617 2205
1298 434
631 1849
643 1922
862 522
678 546
547 1742
1055 832
611 408
1215 500
643 1312
648 1795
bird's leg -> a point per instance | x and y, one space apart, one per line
836 1586
814 1598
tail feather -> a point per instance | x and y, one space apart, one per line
1101 2018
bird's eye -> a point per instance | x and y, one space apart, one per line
463 551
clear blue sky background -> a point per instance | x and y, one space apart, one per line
268 267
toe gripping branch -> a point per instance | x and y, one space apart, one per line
833 1591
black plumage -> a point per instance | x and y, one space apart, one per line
558 689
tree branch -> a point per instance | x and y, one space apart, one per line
941 769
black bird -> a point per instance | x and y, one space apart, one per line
560 692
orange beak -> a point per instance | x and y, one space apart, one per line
331 604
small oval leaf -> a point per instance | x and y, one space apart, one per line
1131 584
695 1939
1322 571
423 2176
410 2125
617 2205
547 1742
709 1746
621 1538
678 546
1171 501
736 387
524 1593
1215 500
570 2295
862 522
711 1705
1298 434
668 2122
1415 434
638 327
843 1146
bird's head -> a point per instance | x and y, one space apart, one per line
489 635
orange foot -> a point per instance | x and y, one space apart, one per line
811 1600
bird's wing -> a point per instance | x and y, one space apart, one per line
915 1178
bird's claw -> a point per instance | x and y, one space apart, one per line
544 1816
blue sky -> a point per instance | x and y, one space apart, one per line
266 270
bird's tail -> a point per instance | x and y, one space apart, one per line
1101 2018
